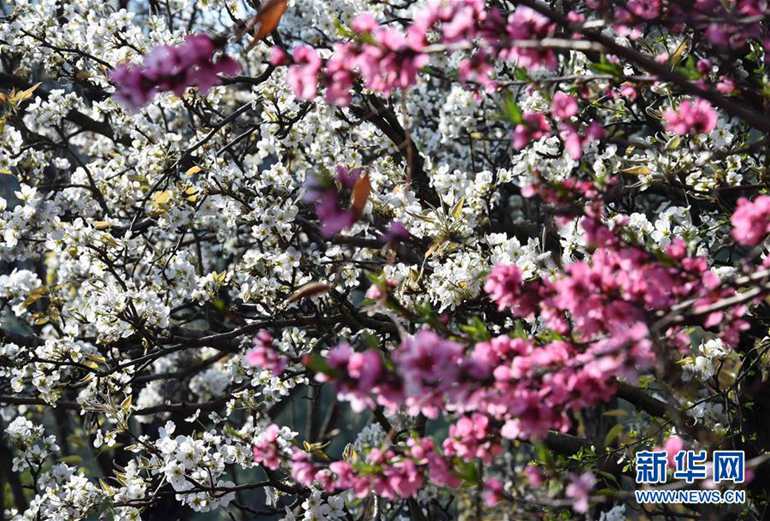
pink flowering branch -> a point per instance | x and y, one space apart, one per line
662 71
172 68
689 309
544 43
514 388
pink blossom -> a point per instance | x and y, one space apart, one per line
605 300
704 66
594 132
266 450
579 489
303 75
534 476
505 287
303 470
389 59
440 471
752 7
751 220
532 417
696 117
718 34
534 127
172 68
673 445
427 358
563 106
479 69
522 389
391 62
340 75
572 142
488 356
380 292
364 23
323 192
375 293
471 438
133 89
365 368
403 480
278 57
333 218
725 85
576 18
345 475
357 375
395 233
527 24
461 26
647 9
264 355
427 361
347 177
628 91
493 492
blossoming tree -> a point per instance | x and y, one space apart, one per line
360 259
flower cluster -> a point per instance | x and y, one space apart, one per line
192 465
264 355
385 472
751 220
387 59
270 446
620 285
174 69
738 21
696 117
599 308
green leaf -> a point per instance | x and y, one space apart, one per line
519 331
613 434
72 459
476 329
425 311
550 336
371 341
318 364
688 69
376 278
468 472
343 30
645 381
520 74
605 67
544 455
511 110
457 209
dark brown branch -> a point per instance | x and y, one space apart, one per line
642 400
382 117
